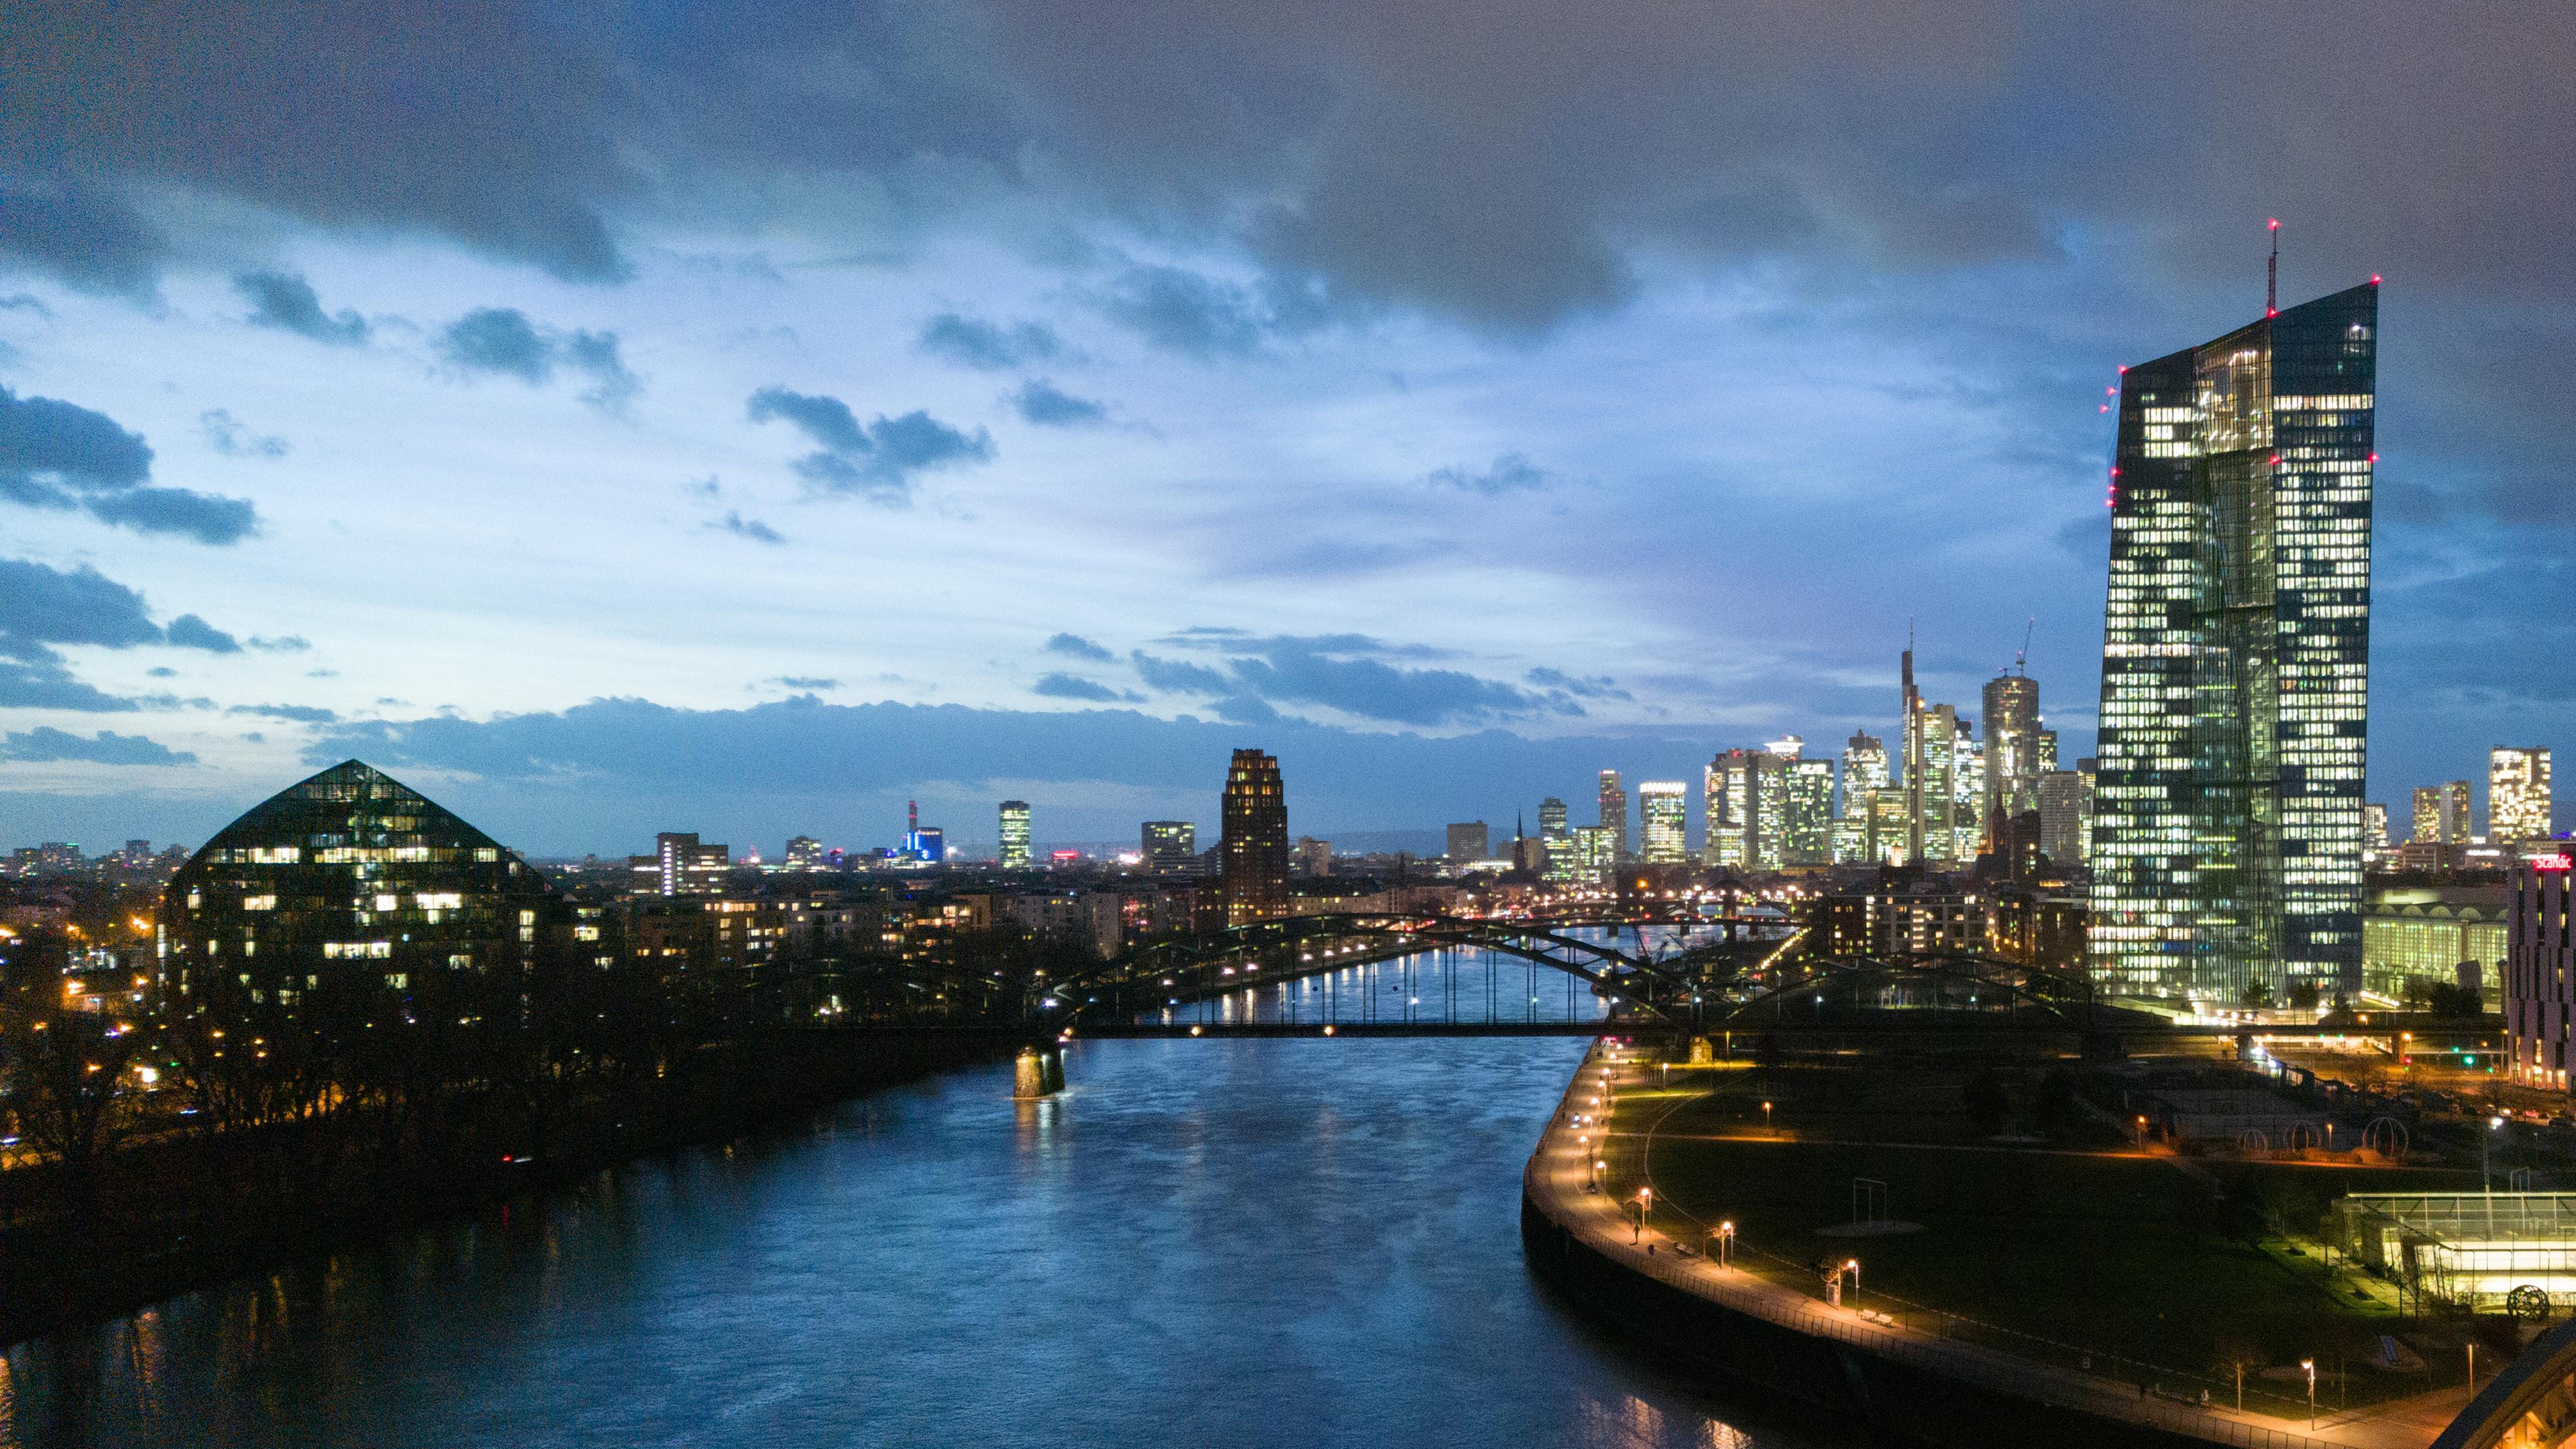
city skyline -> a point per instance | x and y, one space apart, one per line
626 444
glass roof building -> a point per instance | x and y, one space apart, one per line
348 872
2236 661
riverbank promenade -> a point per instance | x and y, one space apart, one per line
1556 1186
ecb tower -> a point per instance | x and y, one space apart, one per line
2236 662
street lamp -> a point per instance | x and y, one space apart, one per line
2311 1366
1852 1266
1645 1204
2486 1169
1725 1235
1766 1117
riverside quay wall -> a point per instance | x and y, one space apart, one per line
1899 1382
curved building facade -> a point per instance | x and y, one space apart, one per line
348 872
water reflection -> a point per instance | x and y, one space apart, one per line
1202 1242
1448 984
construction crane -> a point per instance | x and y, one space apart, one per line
2021 661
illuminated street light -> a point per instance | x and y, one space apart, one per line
2486 1169
1852 1266
1645 1204
1766 1116
1725 1235
2310 1365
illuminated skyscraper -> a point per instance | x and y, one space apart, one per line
1254 846
1864 770
1932 781
2065 804
1015 835
1594 856
2235 671
2517 794
1614 810
2374 831
1967 793
2442 813
1807 816
1662 808
1551 819
2013 753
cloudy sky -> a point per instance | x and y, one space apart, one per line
613 418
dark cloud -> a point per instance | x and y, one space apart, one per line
1185 312
806 681
1510 473
1595 687
1070 686
1345 672
988 346
876 461
226 435
1043 403
501 340
190 632
750 528
162 671
1245 709
77 234
299 713
56 454
104 748
1078 647
282 644
42 606
287 302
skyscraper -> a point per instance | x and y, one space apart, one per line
1864 772
2374 831
1661 812
1932 782
1468 840
1254 845
2013 753
1015 835
1551 819
1171 847
2517 794
2442 813
1807 816
2235 671
1967 792
2065 802
1910 720
1614 810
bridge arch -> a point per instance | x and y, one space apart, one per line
2531 1405
2056 995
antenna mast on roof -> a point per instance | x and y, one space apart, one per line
2272 274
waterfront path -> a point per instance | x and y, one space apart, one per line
1555 1185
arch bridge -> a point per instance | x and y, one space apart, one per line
1846 990
1663 987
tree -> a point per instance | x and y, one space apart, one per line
67 1070
2303 996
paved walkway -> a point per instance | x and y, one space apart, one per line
1554 1181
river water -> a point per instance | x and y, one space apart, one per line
1202 1242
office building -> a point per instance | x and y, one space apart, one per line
2540 971
1468 840
2012 762
1807 812
1551 819
2442 814
1735 789
1662 813
1614 811
679 866
2065 808
927 844
1967 794
803 852
2517 794
2235 672
1864 770
349 879
1932 783
1015 835
1170 847
2374 830
1594 856
1891 825
1253 848
1313 857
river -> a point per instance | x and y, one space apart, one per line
1202 1242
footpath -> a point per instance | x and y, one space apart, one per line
1553 1185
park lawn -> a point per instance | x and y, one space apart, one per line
2092 1250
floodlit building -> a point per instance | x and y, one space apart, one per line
2013 763
350 878
2452 935
2517 794
2235 671
1662 816
1254 847
1015 835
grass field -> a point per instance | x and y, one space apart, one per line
2072 1247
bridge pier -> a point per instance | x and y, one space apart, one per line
1038 1072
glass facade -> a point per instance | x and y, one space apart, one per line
1015 835
1614 810
348 872
1807 813
1662 806
2235 672
1254 846
2014 758
2517 794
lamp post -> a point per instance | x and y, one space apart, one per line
1766 1118
2310 1365
2473 1368
1725 1234
1852 1266
1645 1205
2486 1157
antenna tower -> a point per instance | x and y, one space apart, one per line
2272 274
